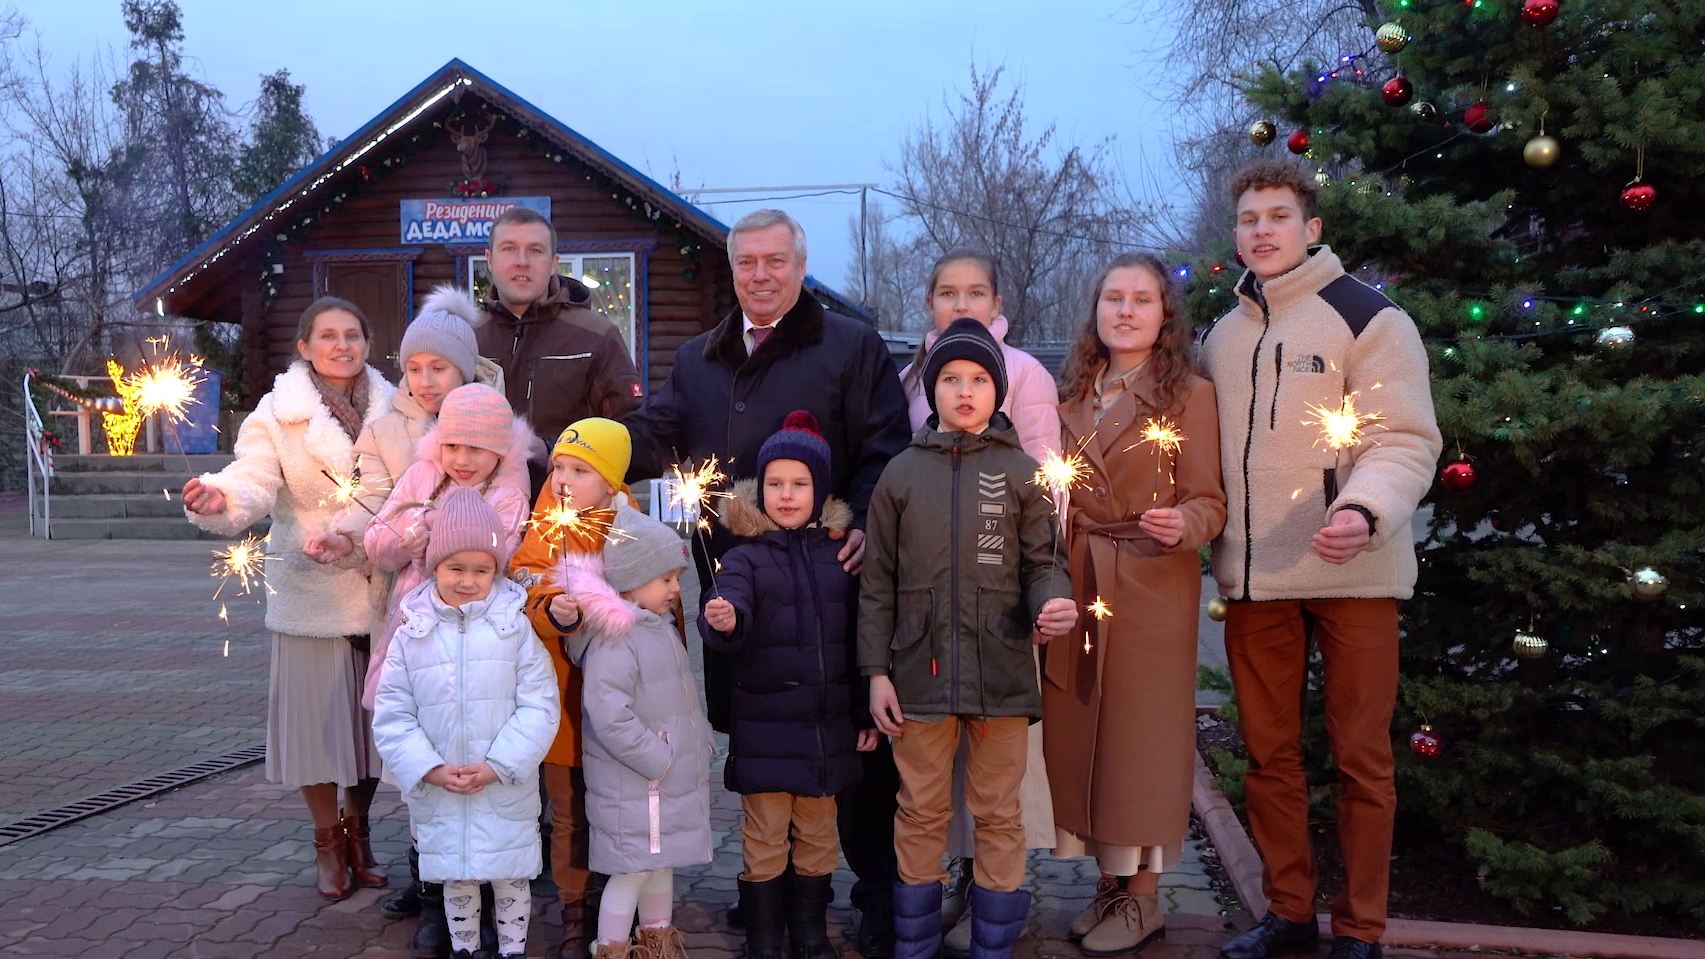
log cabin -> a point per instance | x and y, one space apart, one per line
404 204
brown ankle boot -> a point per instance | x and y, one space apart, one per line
331 859
663 942
362 866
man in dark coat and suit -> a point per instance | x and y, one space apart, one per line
729 391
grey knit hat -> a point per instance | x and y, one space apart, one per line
464 521
640 549
445 327
965 339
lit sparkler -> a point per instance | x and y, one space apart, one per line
1344 427
244 561
586 524
166 386
694 489
1168 439
1058 474
1100 610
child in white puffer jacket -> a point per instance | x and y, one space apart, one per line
467 705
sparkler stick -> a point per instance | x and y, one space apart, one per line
1058 474
347 489
1168 439
1340 429
565 519
695 488
1100 610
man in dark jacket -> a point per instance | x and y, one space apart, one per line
729 391
561 361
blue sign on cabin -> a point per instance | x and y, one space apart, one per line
461 221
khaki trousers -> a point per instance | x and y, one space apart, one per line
781 824
998 751
570 835
1267 646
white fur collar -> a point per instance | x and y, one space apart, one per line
296 400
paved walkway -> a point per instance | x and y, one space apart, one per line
112 668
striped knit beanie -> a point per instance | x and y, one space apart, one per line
965 339
476 415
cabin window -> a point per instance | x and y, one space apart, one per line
609 276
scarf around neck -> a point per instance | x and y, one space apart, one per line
349 409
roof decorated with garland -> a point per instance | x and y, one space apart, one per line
337 175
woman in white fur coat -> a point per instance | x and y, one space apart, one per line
318 737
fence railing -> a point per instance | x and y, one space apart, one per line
39 464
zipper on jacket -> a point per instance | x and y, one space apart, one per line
1278 376
953 568
1249 442
462 718
822 663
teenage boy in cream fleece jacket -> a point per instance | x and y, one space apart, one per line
1316 540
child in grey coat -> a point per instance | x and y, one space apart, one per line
647 745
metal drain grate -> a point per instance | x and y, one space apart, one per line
130 792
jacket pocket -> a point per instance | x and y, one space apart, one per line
518 802
915 618
1001 613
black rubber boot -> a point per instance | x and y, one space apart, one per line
762 906
432 933
405 902
808 916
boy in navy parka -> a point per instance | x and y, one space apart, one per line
782 608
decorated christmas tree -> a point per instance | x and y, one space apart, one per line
1527 180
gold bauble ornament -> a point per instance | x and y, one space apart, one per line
1263 133
1217 609
1647 583
1529 646
1391 38
1541 151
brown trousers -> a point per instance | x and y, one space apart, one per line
1267 646
999 751
780 824
571 840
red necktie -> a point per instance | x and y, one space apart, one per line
759 335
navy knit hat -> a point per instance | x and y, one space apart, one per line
965 339
798 439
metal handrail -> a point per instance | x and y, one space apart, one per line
40 466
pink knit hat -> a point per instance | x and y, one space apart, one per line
465 521
476 415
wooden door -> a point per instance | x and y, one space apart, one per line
378 288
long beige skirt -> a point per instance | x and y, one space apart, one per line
316 730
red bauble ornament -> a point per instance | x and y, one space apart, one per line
1424 744
1539 13
1640 196
1397 92
1298 142
1458 476
1478 118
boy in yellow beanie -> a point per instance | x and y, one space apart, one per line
587 465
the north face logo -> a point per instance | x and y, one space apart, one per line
1309 364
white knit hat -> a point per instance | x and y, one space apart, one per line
445 327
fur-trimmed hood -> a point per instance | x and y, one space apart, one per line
524 445
604 613
743 517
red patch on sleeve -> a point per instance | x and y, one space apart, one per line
637 391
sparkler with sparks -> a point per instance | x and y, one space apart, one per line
1100 610
347 488
166 386
694 489
1168 439
1058 474
1344 427
1340 429
589 524
244 561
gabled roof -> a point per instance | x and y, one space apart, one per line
451 80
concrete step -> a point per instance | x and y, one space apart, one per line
149 528
118 506
108 482
195 463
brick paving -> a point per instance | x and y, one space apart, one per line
112 669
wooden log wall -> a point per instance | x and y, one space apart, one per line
679 307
